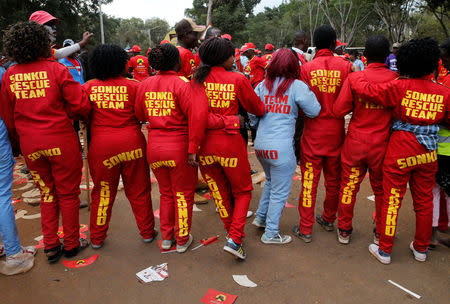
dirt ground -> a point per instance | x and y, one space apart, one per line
323 271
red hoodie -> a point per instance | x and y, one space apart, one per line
325 75
41 98
369 120
166 102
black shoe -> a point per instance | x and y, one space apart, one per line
307 238
325 225
73 252
235 249
53 254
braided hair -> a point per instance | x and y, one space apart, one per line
108 61
164 57
213 52
418 57
26 41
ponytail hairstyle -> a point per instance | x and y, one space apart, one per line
164 57
284 64
213 52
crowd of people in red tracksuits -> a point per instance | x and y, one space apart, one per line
197 108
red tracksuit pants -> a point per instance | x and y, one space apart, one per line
406 161
55 164
114 153
358 154
168 158
225 167
311 167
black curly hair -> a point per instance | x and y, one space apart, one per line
108 61
213 52
324 37
418 57
164 57
26 41
377 48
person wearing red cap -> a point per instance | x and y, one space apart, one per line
138 65
39 100
177 116
226 36
255 67
267 57
117 147
50 23
322 136
366 141
223 156
187 34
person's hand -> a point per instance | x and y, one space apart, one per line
192 159
86 38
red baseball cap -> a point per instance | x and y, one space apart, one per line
339 43
248 46
135 48
269 47
165 41
42 17
226 36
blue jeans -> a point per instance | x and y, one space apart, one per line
279 163
8 228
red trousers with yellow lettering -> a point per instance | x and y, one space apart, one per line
168 158
358 154
113 153
311 167
55 164
407 161
225 167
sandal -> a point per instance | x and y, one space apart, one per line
73 252
53 254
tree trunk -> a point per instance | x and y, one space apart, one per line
209 15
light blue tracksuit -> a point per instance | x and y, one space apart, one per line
274 145
8 228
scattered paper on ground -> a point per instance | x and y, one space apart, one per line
20 214
371 198
289 205
153 273
258 177
156 213
38 238
32 216
243 280
196 209
215 297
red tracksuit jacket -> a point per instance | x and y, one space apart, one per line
255 69
325 75
140 66
226 90
188 66
369 120
267 58
417 101
109 97
41 96
168 103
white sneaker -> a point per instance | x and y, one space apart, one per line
259 223
419 256
278 239
166 244
17 263
29 249
184 247
383 258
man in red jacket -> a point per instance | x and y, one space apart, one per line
366 140
322 136
256 65
419 105
138 64
269 53
300 45
187 34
